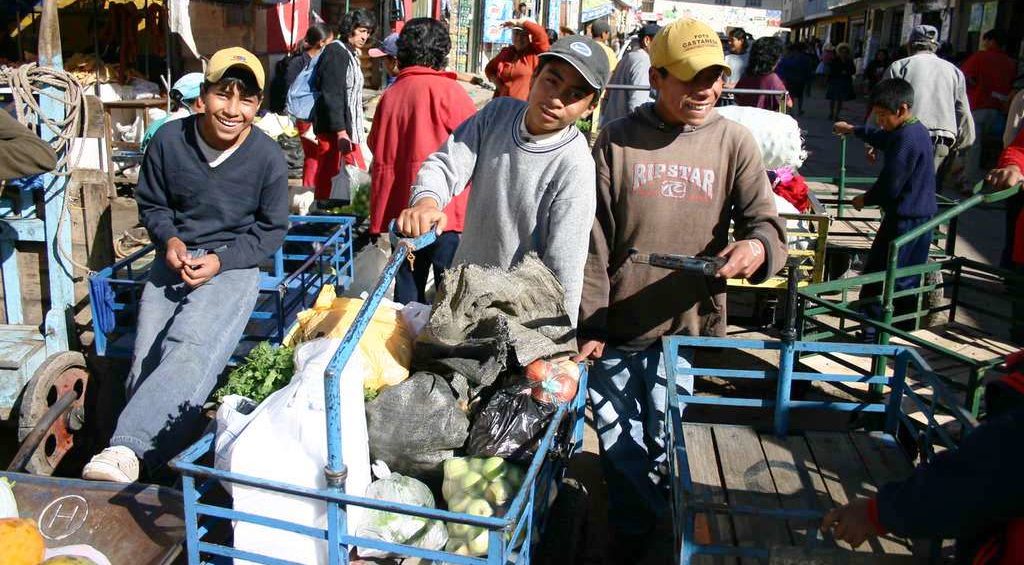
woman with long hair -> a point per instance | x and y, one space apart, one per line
338 113
760 75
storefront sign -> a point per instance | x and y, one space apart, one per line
594 9
977 14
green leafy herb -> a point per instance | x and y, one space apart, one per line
265 370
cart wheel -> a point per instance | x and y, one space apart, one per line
57 375
564 539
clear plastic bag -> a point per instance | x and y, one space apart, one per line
399 528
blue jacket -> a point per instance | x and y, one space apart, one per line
906 186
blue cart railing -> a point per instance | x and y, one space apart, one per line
317 250
917 418
510 536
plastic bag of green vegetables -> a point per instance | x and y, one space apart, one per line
265 370
481 486
399 528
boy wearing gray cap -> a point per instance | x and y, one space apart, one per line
531 169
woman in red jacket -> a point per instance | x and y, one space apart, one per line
511 70
416 114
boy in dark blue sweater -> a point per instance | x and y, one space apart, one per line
905 189
213 195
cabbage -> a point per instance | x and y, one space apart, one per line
8 505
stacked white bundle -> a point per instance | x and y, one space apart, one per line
777 134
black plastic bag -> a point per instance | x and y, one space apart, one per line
510 426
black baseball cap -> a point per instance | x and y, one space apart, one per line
586 56
649 30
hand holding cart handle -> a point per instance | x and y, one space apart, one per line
694 265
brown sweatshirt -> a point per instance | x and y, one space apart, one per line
666 189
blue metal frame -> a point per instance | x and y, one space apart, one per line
283 293
906 363
507 534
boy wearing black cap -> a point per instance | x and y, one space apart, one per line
213 195
672 177
535 191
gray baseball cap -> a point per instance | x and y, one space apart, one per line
924 34
586 56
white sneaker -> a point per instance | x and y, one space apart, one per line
116 464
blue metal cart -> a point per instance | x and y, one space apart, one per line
742 491
318 250
511 537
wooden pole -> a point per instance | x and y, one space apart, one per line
61 283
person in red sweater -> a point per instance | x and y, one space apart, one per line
989 75
415 116
1007 174
511 70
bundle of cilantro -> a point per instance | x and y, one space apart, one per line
265 370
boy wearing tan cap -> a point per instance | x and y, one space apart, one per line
670 178
213 195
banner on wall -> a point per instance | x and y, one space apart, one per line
286 25
758 22
496 12
594 9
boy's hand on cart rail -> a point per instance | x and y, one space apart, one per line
851 523
745 257
177 254
842 128
199 271
858 202
421 218
589 349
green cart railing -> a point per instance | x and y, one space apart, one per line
967 289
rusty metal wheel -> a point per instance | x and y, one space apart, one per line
59 374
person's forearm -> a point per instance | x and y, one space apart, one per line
22 153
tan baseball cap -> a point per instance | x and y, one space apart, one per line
686 47
234 57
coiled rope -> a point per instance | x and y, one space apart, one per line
30 84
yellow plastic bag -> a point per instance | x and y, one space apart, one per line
386 344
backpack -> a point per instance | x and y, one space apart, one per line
302 94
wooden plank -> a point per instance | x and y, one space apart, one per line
707 486
797 481
886 462
833 556
845 477
91 238
748 482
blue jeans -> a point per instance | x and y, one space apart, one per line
411 283
627 396
184 339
